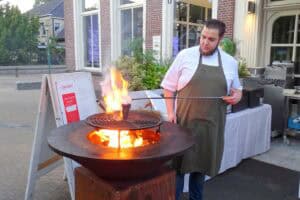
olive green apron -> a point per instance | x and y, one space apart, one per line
204 118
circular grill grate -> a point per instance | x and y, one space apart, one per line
136 120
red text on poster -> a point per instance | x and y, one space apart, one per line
71 108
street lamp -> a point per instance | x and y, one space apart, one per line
48 52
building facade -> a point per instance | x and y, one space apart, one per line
49 27
99 31
51 18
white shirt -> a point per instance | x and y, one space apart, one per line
186 63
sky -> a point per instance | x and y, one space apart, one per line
24 5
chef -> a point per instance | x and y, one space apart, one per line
202 71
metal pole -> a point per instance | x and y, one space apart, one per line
192 98
49 57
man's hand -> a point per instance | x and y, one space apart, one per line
234 98
170 105
172 117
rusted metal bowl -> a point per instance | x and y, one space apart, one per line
113 163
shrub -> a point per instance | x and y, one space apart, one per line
243 70
141 70
228 46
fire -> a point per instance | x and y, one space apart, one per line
123 139
115 93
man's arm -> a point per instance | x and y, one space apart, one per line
170 105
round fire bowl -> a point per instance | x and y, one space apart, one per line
113 163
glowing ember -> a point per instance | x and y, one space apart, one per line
123 139
115 93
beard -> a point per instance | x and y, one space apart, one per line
209 53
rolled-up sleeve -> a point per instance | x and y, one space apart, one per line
236 81
170 81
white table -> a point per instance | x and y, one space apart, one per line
247 133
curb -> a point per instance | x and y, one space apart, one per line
28 85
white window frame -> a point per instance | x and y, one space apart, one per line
116 7
269 43
187 23
79 39
283 2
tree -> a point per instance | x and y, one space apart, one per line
18 36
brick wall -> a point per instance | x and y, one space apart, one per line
226 14
105 32
69 35
153 20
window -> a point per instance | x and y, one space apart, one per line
42 29
131 24
56 26
90 34
285 44
189 20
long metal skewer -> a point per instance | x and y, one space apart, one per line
195 98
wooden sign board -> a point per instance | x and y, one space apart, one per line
65 98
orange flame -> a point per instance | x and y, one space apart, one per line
123 139
118 93
111 138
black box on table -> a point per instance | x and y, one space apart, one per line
243 104
255 96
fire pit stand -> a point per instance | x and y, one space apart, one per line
90 186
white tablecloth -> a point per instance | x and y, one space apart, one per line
247 133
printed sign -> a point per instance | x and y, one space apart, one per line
68 100
71 108
156 46
65 98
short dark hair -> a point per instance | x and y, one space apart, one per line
216 24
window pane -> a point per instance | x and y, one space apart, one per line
281 54
193 36
181 11
91 41
138 22
283 30
179 41
197 14
209 13
297 61
126 31
90 5
298 40
122 2
298 55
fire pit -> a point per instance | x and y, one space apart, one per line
120 144
163 141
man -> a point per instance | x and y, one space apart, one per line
204 71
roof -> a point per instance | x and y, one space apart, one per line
55 8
